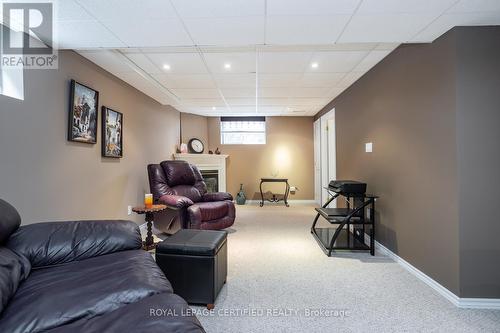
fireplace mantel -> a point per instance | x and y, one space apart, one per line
208 162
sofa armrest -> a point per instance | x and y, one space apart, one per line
52 243
217 196
175 201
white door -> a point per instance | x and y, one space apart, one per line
328 153
332 150
317 162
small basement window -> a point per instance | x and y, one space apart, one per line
243 130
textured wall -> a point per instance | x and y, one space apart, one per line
289 150
48 178
432 112
194 126
478 129
406 106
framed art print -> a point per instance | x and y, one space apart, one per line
112 133
82 126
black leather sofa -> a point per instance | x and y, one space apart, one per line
83 276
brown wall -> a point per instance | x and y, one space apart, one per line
48 178
406 106
478 123
289 149
194 126
432 112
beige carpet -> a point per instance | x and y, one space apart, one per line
279 280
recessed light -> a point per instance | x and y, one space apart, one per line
166 67
214 108
227 66
314 65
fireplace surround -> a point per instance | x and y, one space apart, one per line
209 164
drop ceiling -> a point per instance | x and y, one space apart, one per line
245 57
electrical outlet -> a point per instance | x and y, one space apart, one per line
129 210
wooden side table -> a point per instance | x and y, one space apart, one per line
149 244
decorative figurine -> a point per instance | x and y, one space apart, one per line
217 151
184 148
210 152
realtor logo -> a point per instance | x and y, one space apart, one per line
27 35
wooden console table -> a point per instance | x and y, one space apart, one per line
275 198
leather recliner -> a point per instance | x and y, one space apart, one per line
180 186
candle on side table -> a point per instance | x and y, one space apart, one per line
148 200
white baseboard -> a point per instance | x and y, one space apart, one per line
291 202
466 303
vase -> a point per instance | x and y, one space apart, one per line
240 197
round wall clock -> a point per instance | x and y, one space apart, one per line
196 146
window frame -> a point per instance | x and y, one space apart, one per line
242 119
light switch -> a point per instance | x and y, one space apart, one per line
369 147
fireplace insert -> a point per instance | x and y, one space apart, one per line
211 178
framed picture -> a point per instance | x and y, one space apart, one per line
112 133
84 101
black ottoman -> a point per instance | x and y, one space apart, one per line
195 263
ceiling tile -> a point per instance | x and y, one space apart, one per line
185 81
385 27
290 30
386 46
235 80
238 92
219 8
448 21
308 101
270 109
278 79
277 92
180 63
242 109
204 102
311 7
240 62
349 79
85 34
334 92
283 62
338 61
149 33
274 101
306 92
108 60
227 31
320 79
196 93
404 6
470 6
246 110
209 111
293 92
69 10
148 88
143 62
240 101
373 58
113 9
